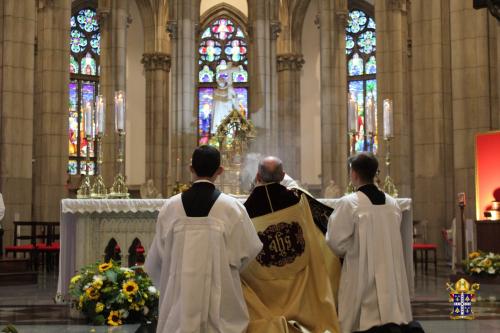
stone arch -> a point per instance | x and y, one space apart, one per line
225 9
136 253
112 251
154 17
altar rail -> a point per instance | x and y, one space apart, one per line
87 225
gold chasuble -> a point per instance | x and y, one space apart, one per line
288 287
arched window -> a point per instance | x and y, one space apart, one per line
85 40
222 46
361 72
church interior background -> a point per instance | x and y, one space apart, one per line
293 67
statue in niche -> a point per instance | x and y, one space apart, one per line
149 191
225 98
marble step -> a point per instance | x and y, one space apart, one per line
18 278
10 265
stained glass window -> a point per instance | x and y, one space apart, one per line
85 49
361 45
222 57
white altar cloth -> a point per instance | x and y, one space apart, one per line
87 225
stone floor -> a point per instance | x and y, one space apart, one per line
32 310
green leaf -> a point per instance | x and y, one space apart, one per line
99 320
111 276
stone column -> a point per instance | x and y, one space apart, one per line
264 28
113 17
289 67
431 114
393 82
184 15
157 67
334 145
51 117
471 95
17 50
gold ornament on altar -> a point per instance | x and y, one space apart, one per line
462 295
233 135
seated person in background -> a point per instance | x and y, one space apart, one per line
365 229
288 287
203 240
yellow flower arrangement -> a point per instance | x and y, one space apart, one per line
99 307
92 293
108 294
486 263
114 318
130 288
104 267
482 263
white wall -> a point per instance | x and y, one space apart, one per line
310 115
135 164
242 5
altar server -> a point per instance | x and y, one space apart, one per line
288 287
365 230
203 240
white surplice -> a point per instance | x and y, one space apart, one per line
373 287
196 261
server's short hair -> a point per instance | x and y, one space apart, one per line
365 165
206 161
273 174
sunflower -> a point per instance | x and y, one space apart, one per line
99 307
104 267
114 318
92 293
76 278
97 284
130 288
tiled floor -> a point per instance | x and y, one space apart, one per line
32 310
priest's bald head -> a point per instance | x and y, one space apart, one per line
270 170
364 168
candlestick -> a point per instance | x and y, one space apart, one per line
87 116
352 117
119 111
99 190
100 115
119 188
388 119
389 186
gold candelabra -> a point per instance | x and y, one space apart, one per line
99 190
119 188
389 186
84 192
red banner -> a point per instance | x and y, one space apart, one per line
487 171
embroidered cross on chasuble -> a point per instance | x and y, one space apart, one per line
291 285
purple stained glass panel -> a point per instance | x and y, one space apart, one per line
242 98
88 95
205 110
357 88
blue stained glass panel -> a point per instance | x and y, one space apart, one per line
357 88
206 34
356 22
240 33
87 20
95 43
371 66
205 110
355 65
91 166
73 65
88 93
72 167
367 42
210 50
371 23
236 50
72 22
78 41
349 44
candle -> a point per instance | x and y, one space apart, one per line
120 111
178 173
388 119
88 119
370 115
352 117
100 115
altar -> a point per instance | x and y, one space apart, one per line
87 226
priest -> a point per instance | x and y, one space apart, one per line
288 287
364 229
203 240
